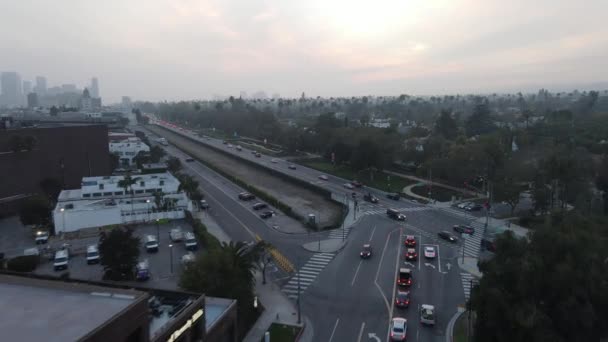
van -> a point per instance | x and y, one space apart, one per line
395 214
61 260
151 243
190 241
92 254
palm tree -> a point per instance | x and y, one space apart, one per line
127 184
158 199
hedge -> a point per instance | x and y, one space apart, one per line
24 263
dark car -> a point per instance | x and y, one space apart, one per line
402 300
411 254
189 160
473 207
488 245
447 236
394 196
410 241
266 214
366 252
225 142
395 214
245 196
258 155
204 204
259 206
356 184
291 167
462 229
370 198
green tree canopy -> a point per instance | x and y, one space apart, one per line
480 122
446 126
118 253
35 210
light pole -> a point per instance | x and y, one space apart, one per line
171 256
148 208
63 218
157 232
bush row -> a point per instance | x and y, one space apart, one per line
24 263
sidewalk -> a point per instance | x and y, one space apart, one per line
469 264
212 227
325 246
278 309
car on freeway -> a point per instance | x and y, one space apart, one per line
245 196
410 241
291 167
42 237
429 252
224 142
323 177
274 160
259 206
473 207
394 196
349 186
267 214
395 214
402 300
463 205
366 252
189 160
464 229
229 145
398 329
411 254
405 277
356 184
258 155
239 148
253 152
447 236
427 314
370 198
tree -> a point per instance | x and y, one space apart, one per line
127 184
156 153
507 190
114 161
54 111
118 253
16 143
35 210
550 287
51 188
480 122
141 158
29 142
174 165
446 126
601 182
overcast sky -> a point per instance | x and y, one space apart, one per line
192 49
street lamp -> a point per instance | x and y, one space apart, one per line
63 218
148 208
171 256
157 232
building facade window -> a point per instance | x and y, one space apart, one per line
118 193
97 194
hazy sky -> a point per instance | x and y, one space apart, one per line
188 49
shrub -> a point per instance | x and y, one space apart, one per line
24 263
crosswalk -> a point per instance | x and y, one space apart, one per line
468 281
307 274
472 243
460 213
375 210
339 233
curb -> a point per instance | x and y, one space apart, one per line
449 330
301 332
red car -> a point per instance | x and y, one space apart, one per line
405 277
410 241
402 300
411 254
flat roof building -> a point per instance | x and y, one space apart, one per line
45 308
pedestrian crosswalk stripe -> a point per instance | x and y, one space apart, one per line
315 268
307 274
468 280
322 257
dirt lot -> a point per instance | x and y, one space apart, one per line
301 200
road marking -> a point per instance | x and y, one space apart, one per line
361 332
429 265
388 237
438 258
372 235
372 335
448 265
334 331
356 272
419 255
395 279
409 264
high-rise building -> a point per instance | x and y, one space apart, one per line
27 87
40 85
94 89
126 104
32 100
86 103
69 88
11 88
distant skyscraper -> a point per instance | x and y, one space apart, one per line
69 88
40 85
32 100
11 88
126 104
27 87
86 103
94 89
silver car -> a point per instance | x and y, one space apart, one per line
398 329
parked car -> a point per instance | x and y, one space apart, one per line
366 252
370 198
402 300
142 271
61 260
267 214
190 241
463 205
462 229
394 196
473 207
188 258
92 254
176 235
259 206
398 329
447 236
151 243
42 237
429 252
203 204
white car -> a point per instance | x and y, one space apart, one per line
323 177
176 235
427 314
274 160
429 252
349 186
463 205
398 329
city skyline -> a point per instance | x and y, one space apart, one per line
190 49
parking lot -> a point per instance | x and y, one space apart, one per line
165 265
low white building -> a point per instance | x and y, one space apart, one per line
128 149
101 201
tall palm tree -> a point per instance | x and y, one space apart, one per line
127 184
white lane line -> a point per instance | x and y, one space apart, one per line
438 259
334 331
361 332
419 255
370 240
396 275
388 237
356 272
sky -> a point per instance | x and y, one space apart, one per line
194 49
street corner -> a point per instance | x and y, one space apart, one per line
469 265
325 246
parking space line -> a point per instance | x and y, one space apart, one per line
361 331
438 258
334 331
356 272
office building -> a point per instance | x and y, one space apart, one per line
27 87
104 201
63 153
128 149
94 89
45 308
126 104
69 88
32 100
10 83
86 103
40 88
